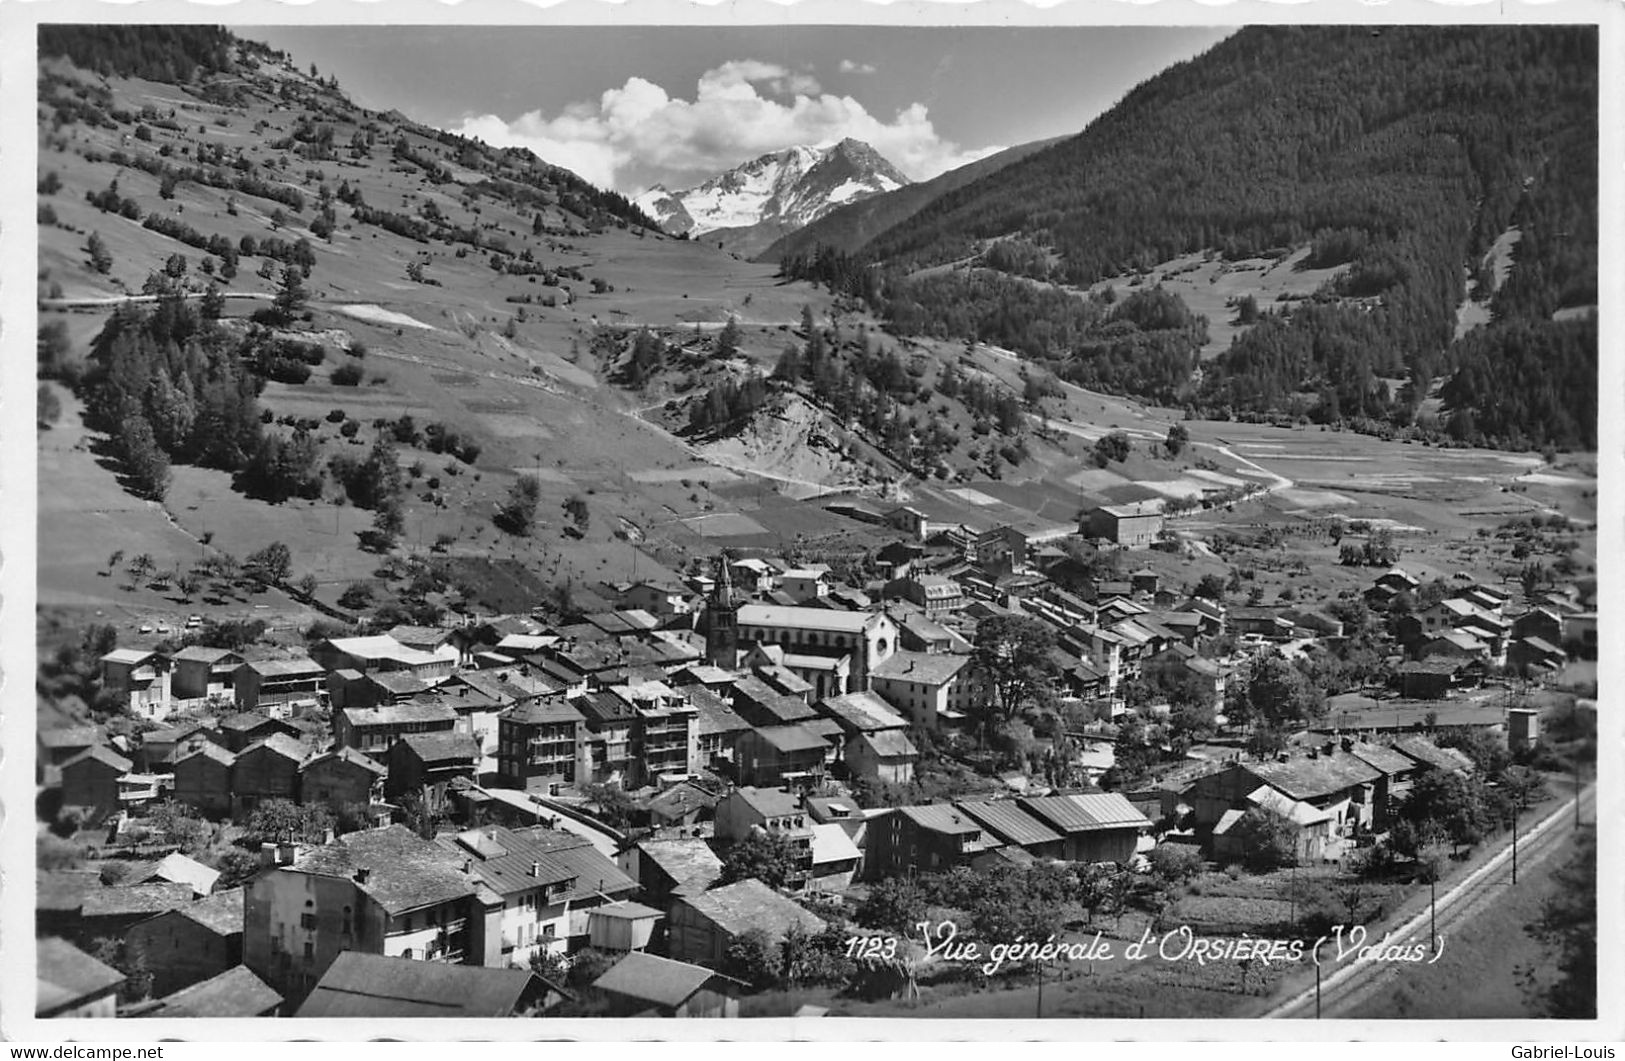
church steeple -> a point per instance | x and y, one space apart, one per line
722 620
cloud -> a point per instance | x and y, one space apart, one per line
637 135
850 67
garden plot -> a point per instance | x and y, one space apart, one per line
724 525
1184 486
1095 479
699 473
515 425
1313 498
974 497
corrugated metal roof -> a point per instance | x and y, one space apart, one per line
1083 812
1005 819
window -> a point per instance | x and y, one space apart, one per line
310 952
307 921
549 931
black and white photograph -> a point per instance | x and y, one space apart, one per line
853 526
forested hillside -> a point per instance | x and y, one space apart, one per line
1401 153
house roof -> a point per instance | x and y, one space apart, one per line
404 871
683 798
221 913
381 647
1295 811
542 710
245 721
418 636
237 992
626 910
272 668
1382 758
601 705
136 900
791 738
345 755
441 747
862 712
66 974
1136 508
781 706
64 890
1083 812
715 716
516 860
1461 639
179 869
890 744
397 714
830 843
941 818
798 618
769 802
203 654
749 904
128 655
649 978
1425 751
70 736
101 754
781 677
1541 645
927 668
278 743
1305 778
689 862
371 985
1005 819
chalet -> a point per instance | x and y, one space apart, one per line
1002 548
380 892
279 686
372 730
266 770
836 859
1544 622
140 678
884 755
1260 621
683 805
429 761
1133 526
235 992
1389 585
1311 828
190 943
704 925
354 984
932 688
1429 756
541 744
664 602
1580 632
1529 654
70 983
751 575
90 779
240 730
1398 771
60 743
1008 823
175 868
910 521
203 779
1095 827
663 868
341 779
201 672
1145 581
1431 678
549 882
924 839
59 898
776 755
643 985
751 809
161 748
1455 643
1340 783
805 584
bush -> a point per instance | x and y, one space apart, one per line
1175 863
347 375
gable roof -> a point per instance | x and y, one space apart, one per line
220 913
689 862
863 712
941 818
237 992
1085 811
396 714
792 738
1305 778
1005 819
277 743
404 871
1382 758
136 899
831 843
715 716
1428 753
928 668
649 978
749 904
798 618
179 869
889 743
371 985
65 974
517 860
441 747
345 755
1293 810
102 754
203 654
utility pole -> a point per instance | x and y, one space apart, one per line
1515 844
1433 910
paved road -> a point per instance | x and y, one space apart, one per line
1461 910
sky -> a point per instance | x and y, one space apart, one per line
627 107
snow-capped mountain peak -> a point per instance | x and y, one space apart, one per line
784 190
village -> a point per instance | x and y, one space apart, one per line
704 801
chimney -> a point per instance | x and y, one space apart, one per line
468 865
361 874
285 854
535 869
267 855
